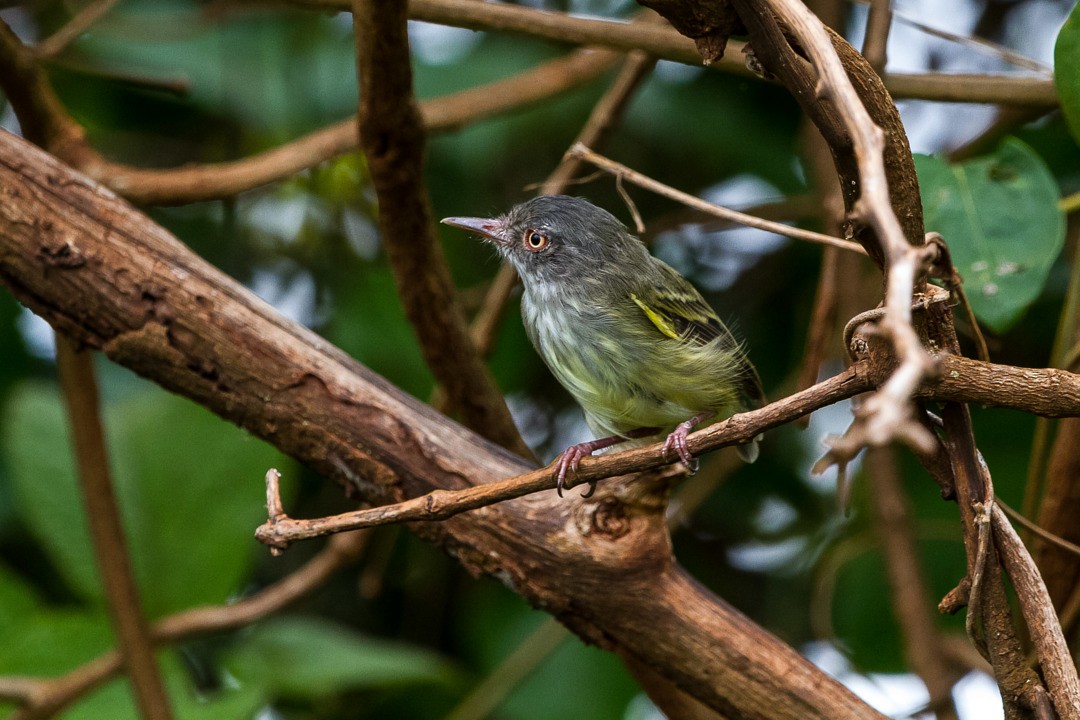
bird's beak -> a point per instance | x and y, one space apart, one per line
490 228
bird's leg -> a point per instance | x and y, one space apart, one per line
572 455
677 439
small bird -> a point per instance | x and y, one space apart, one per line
628 336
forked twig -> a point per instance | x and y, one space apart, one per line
579 150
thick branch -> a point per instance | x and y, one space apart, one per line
101 272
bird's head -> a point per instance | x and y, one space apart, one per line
557 237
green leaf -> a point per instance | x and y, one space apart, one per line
1000 218
189 487
369 324
1066 76
41 640
307 658
35 439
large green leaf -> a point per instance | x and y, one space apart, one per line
1067 70
189 487
1000 218
307 658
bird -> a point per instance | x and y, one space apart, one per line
631 339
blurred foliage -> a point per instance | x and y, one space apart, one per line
408 634
1066 60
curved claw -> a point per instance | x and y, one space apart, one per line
572 455
569 460
677 440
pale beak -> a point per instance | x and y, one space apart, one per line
490 228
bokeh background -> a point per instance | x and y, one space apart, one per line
405 633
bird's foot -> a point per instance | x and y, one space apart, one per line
569 461
571 457
677 440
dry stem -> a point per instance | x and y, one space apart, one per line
580 151
79 386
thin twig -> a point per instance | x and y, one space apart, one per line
974 618
607 112
280 530
942 267
1038 530
76 26
579 150
977 43
106 530
490 692
639 224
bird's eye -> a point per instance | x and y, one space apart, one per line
535 241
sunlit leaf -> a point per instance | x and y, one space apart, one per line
999 215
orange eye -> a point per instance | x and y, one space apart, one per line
535 241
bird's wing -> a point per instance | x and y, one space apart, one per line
677 309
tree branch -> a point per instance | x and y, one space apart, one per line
392 137
579 151
37 106
909 594
1056 661
279 531
667 44
76 26
79 388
